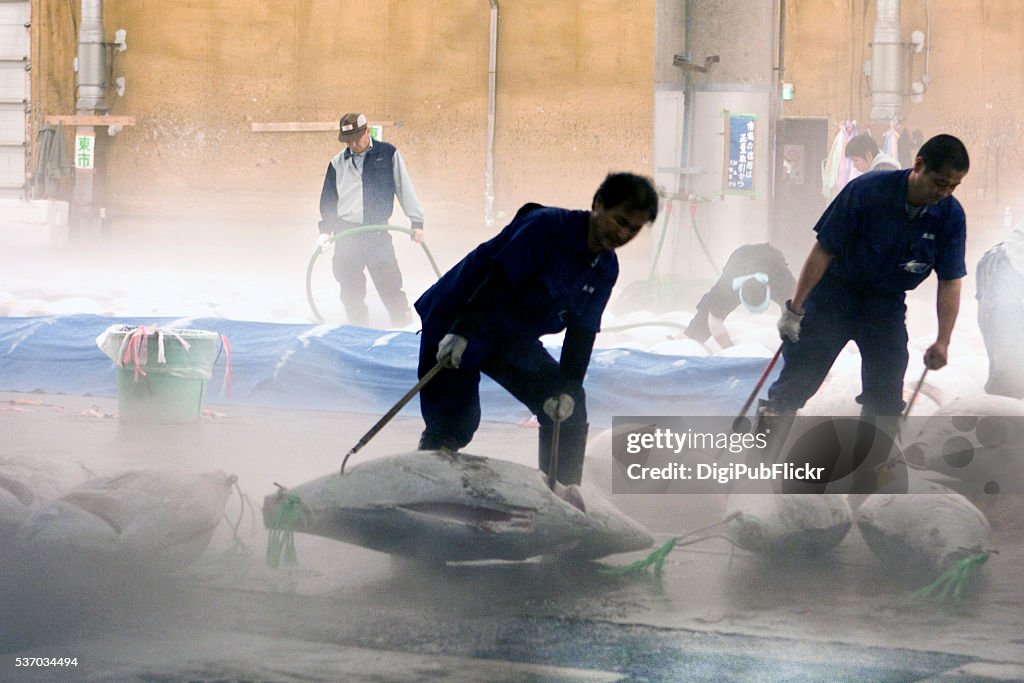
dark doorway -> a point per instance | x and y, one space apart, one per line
801 145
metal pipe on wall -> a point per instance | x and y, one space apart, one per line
92 70
491 95
92 59
684 157
887 71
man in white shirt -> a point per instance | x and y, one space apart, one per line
862 150
360 187
1001 313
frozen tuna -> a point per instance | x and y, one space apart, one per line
142 520
772 524
435 506
25 484
977 440
925 532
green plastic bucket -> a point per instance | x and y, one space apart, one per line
171 391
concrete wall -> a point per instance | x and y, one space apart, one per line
575 93
975 61
740 35
573 100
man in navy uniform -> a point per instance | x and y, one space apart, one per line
549 270
880 237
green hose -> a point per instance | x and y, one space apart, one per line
348 233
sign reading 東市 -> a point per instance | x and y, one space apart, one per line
85 152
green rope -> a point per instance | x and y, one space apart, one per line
281 540
950 586
657 559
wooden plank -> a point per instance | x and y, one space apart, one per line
76 120
304 126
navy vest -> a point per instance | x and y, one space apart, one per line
378 184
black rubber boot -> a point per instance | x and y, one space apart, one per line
357 313
432 442
400 317
572 446
883 462
775 426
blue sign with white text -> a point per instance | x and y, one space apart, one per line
739 161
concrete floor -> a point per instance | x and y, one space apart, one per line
345 613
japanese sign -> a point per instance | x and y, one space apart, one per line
740 135
85 152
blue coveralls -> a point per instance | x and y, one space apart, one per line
555 283
878 253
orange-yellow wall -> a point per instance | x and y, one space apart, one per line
976 64
575 83
573 100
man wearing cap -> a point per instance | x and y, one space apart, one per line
360 187
755 275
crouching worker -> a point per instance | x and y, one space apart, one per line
549 270
755 275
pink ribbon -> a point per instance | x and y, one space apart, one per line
137 350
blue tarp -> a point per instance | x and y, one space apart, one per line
354 369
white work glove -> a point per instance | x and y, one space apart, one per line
323 242
450 350
789 324
559 408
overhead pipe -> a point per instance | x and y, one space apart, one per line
491 94
92 59
887 69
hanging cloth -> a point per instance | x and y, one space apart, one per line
890 142
52 163
836 168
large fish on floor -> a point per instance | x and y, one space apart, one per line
154 521
437 506
978 440
26 483
780 523
930 531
